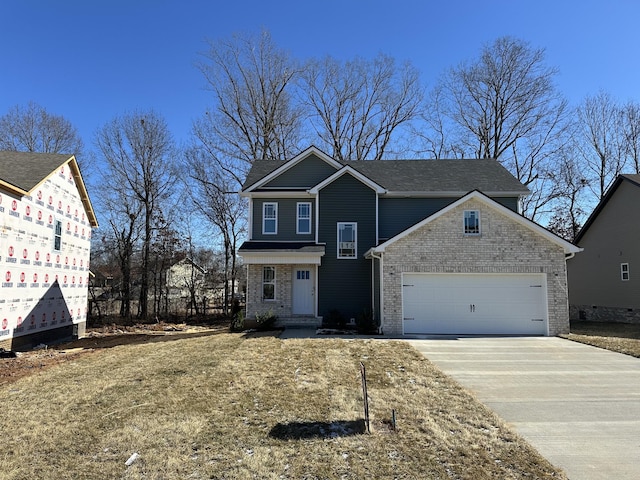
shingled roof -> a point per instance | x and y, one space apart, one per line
25 170
21 172
421 176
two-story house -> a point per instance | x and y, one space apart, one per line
425 246
46 220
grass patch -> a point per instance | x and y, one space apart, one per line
228 406
617 337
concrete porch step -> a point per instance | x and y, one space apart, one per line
300 322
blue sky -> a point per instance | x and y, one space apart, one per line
90 60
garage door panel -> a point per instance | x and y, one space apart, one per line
474 304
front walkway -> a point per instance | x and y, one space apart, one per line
579 406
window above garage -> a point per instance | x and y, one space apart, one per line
472 222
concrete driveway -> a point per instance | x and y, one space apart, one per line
579 406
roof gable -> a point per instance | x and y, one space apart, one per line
632 179
264 171
347 170
567 246
22 172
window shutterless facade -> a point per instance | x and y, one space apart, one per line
347 240
303 221
268 283
471 222
624 272
269 218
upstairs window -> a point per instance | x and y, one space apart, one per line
303 223
624 272
471 222
269 218
268 283
57 237
347 240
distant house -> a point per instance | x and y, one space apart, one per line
421 246
604 280
184 273
46 219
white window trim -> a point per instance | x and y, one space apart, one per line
355 231
273 282
624 269
464 224
298 218
264 220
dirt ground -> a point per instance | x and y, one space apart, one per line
97 338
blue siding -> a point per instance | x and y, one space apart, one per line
287 217
305 174
345 284
509 202
397 214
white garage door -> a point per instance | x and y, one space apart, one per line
474 304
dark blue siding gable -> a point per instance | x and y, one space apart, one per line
305 174
345 284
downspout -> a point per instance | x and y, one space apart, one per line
373 293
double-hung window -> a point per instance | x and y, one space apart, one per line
268 283
57 237
269 218
471 222
347 240
303 223
624 272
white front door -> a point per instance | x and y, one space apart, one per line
303 291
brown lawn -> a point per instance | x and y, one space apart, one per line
228 406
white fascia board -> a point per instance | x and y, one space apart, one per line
567 246
401 194
294 161
281 258
354 173
279 194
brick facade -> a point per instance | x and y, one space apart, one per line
281 306
504 246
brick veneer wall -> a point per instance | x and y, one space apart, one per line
282 304
504 246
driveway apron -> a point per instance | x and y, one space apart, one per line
579 406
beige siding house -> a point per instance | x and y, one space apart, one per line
604 280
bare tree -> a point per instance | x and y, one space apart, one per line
139 152
31 128
253 117
357 106
123 218
569 209
603 145
214 195
631 126
504 105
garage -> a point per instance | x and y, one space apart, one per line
469 304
